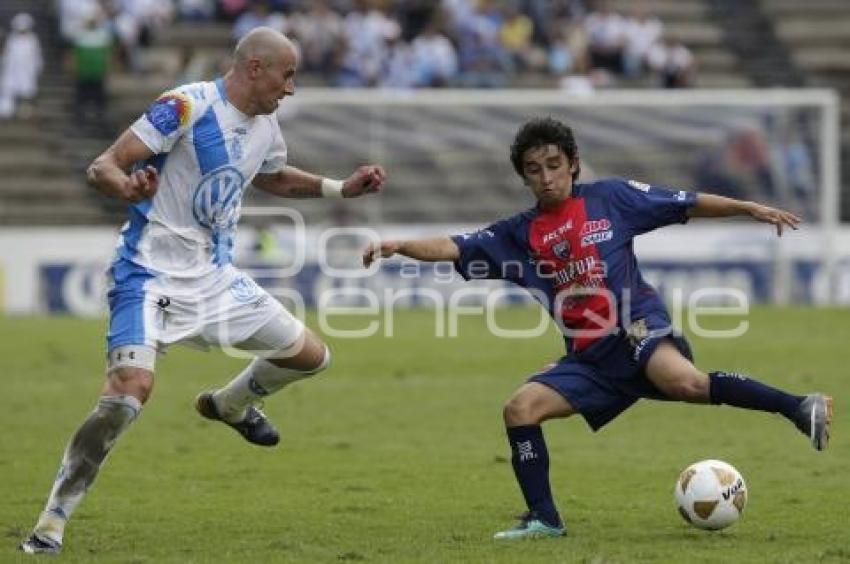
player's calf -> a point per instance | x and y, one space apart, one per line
81 463
234 403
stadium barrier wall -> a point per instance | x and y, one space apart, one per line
63 270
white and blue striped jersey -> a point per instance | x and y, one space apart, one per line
206 152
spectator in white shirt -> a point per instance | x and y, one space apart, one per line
606 31
20 67
435 57
643 30
673 63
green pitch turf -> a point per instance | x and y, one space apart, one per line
396 454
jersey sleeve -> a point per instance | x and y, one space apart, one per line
490 253
644 207
275 159
167 119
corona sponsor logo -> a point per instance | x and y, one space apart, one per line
595 238
595 225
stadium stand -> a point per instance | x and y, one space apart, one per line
817 35
735 44
39 183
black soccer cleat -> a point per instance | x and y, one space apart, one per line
255 427
814 417
40 545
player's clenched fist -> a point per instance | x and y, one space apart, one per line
141 184
365 180
383 249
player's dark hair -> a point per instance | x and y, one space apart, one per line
540 132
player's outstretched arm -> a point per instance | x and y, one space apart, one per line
292 182
710 205
429 250
110 172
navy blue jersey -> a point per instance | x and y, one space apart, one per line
578 259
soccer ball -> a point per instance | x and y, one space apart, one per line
711 494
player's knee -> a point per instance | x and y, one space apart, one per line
129 381
520 410
323 363
305 363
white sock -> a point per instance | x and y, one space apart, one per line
81 462
259 379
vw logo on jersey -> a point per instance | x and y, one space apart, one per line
218 198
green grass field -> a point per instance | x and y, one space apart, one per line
396 454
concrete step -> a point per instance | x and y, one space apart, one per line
696 33
123 85
34 189
666 10
816 31
807 8
712 59
23 134
68 213
723 80
823 58
27 161
182 34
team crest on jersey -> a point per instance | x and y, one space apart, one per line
218 198
236 145
561 250
243 289
169 112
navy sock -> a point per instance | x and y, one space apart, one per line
739 391
530 460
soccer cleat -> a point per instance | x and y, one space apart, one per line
40 545
254 427
814 417
531 526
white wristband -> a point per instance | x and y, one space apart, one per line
331 188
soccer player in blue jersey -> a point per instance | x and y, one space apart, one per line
172 279
573 251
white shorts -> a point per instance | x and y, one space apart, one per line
224 309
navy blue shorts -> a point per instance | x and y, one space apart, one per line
605 381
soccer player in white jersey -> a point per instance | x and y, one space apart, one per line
172 278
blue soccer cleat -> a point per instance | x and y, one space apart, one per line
254 427
531 526
40 545
814 417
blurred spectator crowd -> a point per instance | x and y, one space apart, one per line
422 43
579 44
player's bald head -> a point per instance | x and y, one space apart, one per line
263 44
